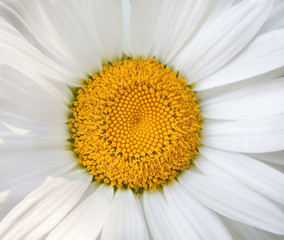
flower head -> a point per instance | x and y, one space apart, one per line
141 119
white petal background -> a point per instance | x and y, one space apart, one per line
233 52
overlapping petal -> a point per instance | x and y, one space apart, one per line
125 220
249 136
217 44
261 60
84 217
248 99
234 201
57 197
256 174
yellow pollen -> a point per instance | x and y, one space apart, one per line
135 124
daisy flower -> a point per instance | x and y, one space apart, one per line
141 119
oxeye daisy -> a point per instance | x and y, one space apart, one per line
141 119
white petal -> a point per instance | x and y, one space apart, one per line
59 30
234 201
254 136
209 168
256 174
218 43
160 218
53 201
23 171
72 23
193 214
126 6
141 36
262 59
52 136
168 25
17 133
108 21
235 233
21 95
277 167
275 20
31 21
241 231
21 55
86 220
247 99
124 220
273 157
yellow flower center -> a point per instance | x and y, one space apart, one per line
135 124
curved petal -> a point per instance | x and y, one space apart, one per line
19 54
87 219
40 136
262 59
73 34
18 133
273 157
21 95
245 232
275 20
164 223
251 136
124 220
33 22
193 214
24 171
221 41
247 99
234 201
168 25
53 200
210 169
256 174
